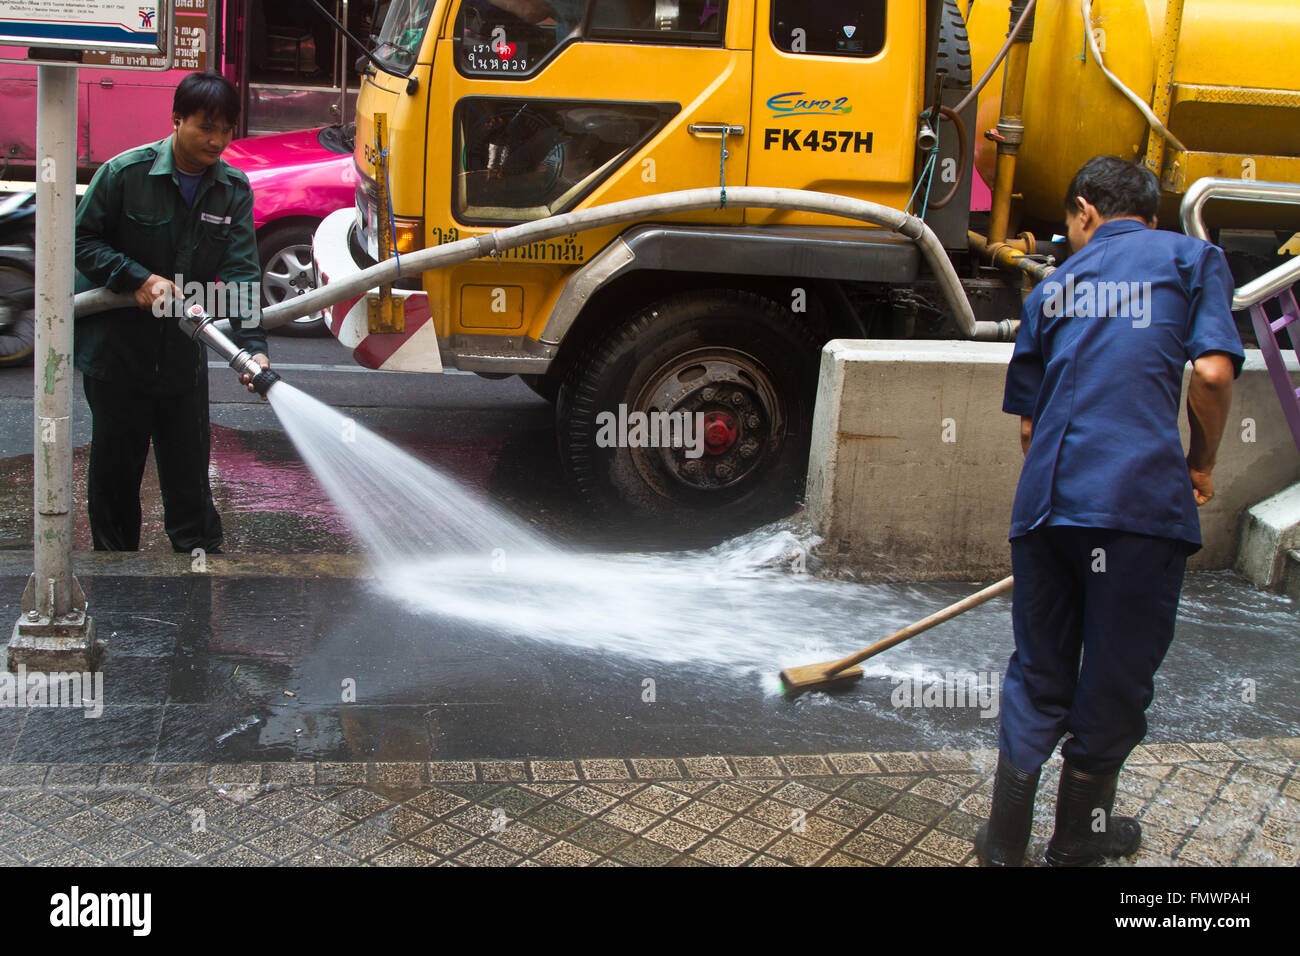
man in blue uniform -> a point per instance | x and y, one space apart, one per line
1105 511
171 208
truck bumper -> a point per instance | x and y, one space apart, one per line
415 349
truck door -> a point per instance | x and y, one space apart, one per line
837 85
581 102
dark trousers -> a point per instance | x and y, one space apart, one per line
1088 643
124 421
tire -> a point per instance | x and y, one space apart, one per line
17 315
738 359
285 255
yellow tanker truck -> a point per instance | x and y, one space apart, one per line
657 211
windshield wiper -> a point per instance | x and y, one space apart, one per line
366 55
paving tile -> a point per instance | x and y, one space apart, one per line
734 798
71 775
565 854
643 853
22 775
360 803
605 770
599 837
235 774
548 771
634 819
241 856
767 861
676 836
587 800
452 770
436 802
757 767
322 822
960 824
618 788
869 793
720 852
516 801
846 812
821 830
807 766
800 795
443 839
853 763
917 808
895 828
487 854
704 816
295 773
281 842
406 854
948 759
322 855
521 838
874 849
397 775
775 814
656 769
362 840
37 843
202 846
945 846
899 762
750 833
659 799
796 850
556 819
113 844
504 770
708 767
150 856
547 790
917 858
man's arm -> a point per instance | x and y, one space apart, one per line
1026 433
96 259
1208 398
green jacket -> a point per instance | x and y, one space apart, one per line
132 223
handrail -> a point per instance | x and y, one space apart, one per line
1203 190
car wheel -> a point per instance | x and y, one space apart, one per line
736 363
17 316
285 253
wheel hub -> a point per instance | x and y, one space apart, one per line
725 414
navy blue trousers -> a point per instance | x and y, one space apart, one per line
1088 643
124 421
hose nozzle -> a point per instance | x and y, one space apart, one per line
198 325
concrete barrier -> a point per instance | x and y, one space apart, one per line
914 465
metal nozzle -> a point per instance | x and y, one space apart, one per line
926 139
198 325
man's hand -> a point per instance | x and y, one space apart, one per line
154 289
1202 485
247 379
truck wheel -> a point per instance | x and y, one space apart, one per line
737 364
285 253
17 316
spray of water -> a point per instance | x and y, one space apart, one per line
446 553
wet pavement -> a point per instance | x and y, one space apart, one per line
313 715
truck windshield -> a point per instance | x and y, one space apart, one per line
398 42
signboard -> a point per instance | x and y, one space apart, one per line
190 49
117 25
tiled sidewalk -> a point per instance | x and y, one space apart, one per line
1235 803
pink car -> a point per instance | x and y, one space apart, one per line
298 179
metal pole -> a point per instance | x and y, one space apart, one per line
54 626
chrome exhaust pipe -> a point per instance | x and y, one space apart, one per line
198 325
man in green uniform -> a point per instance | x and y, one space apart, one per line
166 214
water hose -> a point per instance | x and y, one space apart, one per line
201 327
627 210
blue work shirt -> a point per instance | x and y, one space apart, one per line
1099 364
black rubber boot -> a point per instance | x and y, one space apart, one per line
1084 836
1002 841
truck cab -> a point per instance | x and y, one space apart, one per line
483 114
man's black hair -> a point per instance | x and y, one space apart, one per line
208 93
1116 187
